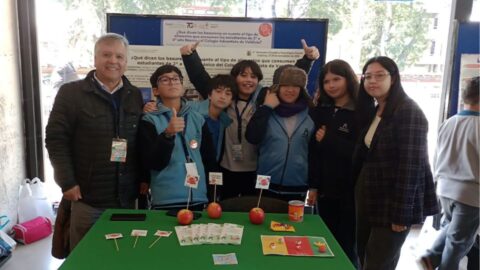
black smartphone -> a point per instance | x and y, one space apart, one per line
173 213
128 217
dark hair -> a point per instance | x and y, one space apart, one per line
340 68
223 80
396 95
244 64
470 94
163 70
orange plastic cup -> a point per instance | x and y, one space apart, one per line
295 210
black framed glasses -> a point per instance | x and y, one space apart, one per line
165 80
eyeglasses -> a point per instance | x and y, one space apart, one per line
379 77
167 80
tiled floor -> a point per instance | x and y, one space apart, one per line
37 255
34 256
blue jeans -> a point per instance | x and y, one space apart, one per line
457 234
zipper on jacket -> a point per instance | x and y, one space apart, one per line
286 160
288 146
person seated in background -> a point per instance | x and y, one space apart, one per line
282 129
456 171
239 160
173 139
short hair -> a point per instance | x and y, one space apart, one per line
244 64
471 92
163 70
223 80
111 37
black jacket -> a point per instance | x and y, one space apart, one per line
330 161
79 136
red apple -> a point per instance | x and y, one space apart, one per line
322 248
185 217
214 210
256 215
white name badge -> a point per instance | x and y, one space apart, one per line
119 150
237 152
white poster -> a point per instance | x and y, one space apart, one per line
217 33
144 60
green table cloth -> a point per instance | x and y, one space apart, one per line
95 252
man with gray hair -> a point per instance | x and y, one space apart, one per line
91 138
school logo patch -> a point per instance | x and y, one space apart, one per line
344 128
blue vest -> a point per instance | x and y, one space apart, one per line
286 159
167 186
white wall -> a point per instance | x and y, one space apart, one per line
12 146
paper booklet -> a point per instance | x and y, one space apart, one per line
311 246
211 233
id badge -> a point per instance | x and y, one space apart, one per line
192 177
119 150
237 152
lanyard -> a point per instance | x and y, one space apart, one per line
116 115
239 118
184 141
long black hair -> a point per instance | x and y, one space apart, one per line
343 69
396 95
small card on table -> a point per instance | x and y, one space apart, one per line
224 259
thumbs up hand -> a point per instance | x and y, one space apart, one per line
311 52
271 98
176 124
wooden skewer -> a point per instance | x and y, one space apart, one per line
214 192
156 240
135 244
259 197
116 244
189 193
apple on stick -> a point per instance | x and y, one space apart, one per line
214 209
185 216
256 214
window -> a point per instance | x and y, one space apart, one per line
435 23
